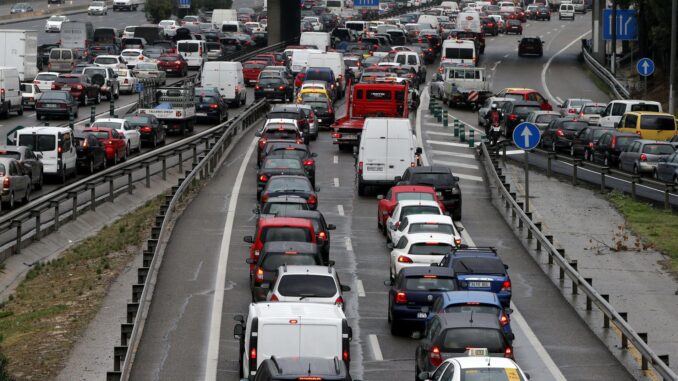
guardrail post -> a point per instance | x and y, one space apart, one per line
667 189
164 167
92 114
111 108
445 123
575 285
589 302
456 128
603 172
130 183
74 197
195 153
92 196
71 121
634 180
549 158
624 339
643 360
17 225
462 134
148 175
36 214
181 161
472 138
111 188
119 354
606 319
125 333
538 225
575 165
55 205
529 231
665 360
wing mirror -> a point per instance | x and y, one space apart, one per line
345 288
331 227
380 197
250 261
238 331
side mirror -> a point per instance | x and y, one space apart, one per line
317 189
456 178
331 263
257 134
314 154
38 155
527 375
435 264
239 318
508 310
510 336
424 376
255 211
248 239
562 105
388 283
238 331
506 267
380 197
250 261
345 288
331 227
389 246
459 229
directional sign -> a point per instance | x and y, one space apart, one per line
183 4
139 87
366 4
645 67
526 136
627 24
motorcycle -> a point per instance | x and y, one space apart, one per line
495 133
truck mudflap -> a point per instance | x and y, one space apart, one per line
471 98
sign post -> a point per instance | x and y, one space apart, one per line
645 68
526 136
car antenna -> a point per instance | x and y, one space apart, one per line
471 320
309 368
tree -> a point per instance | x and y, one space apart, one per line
157 10
209 5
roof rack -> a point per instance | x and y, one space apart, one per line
483 249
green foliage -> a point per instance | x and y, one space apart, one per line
209 5
157 10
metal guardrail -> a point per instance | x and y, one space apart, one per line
617 88
544 243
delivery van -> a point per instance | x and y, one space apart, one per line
228 78
321 40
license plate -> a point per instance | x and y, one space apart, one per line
320 120
350 137
375 168
49 105
170 70
479 284
269 89
66 88
200 114
439 194
421 315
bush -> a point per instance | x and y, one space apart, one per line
157 10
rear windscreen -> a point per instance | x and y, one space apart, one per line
430 283
272 261
458 339
283 208
281 134
485 266
285 233
645 107
418 209
414 196
67 80
315 286
434 179
318 75
657 122
431 228
546 118
623 141
458 53
475 308
229 28
524 110
658 149
187 47
432 248
282 163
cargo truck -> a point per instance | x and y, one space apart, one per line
20 50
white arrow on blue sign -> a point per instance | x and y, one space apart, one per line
645 67
526 136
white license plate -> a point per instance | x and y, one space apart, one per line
320 120
439 194
479 284
375 168
269 89
49 105
200 114
350 137
421 315
68 88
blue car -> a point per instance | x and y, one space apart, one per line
480 269
412 294
479 302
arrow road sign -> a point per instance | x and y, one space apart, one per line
526 136
366 4
627 24
645 67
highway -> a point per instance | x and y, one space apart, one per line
203 281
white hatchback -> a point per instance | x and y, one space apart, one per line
407 208
132 57
313 284
427 223
132 135
45 79
419 249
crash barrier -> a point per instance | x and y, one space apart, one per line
617 88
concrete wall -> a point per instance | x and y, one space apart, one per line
284 19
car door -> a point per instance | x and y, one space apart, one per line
20 179
628 157
133 134
580 140
665 169
600 147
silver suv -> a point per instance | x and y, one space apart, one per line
315 284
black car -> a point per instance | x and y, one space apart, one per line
530 46
412 294
91 153
302 368
320 227
427 50
542 13
489 26
441 178
560 133
281 205
273 88
56 103
275 254
585 140
275 165
432 38
301 151
610 145
151 130
293 186
448 335
322 109
516 112
211 108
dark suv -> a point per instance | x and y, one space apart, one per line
302 368
273 88
560 133
441 178
514 113
531 46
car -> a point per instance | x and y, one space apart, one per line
273 88
290 185
642 156
210 107
610 146
476 364
80 86
274 228
591 112
293 112
16 184
312 284
419 249
106 79
649 125
585 140
441 178
115 62
132 56
297 368
128 32
173 64
277 130
129 132
409 207
251 70
526 95
312 87
427 223
56 103
479 302
133 43
571 106
514 113
398 193
311 119
489 26
513 26
530 46
170 27
473 263
274 165
53 23
97 8
275 255
29 161
151 130
127 82
153 52
91 153
21 8
667 169
541 118
115 144
288 149
279 206
560 133
29 95
411 296
321 106
543 13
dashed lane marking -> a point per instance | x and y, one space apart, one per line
336 159
376 349
455 164
340 210
336 182
360 288
450 144
455 154
349 245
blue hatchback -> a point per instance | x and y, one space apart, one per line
480 269
478 302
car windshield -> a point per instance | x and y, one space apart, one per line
431 227
283 208
430 248
421 196
38 142
252 65
271 262
658 122
113 125
645 107
270 81
418 209
658 149
486 266
473 307
206 99
458 339
277 184
433 178
281 133
289 151
169 58
54 96
594 110
318 75
97 3
316 104
285 233
430 283
68 80
598 132
318 286
459 53
282 163
46 77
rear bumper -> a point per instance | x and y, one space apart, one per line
408 316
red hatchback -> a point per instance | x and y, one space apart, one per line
173 64
272 229
251 70
115 144
403 192
80 86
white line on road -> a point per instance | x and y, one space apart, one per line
376 349
455 164
469 177
349 245
220 279
340 209
440 133
450 144
548 63
336 182
506 55
360 288
494 67
455 154
336 159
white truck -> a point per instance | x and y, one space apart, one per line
228 78
465 85
173 106
127 5
221 15
20 50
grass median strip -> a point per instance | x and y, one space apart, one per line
655 227
50 309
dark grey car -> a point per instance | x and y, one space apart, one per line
667 169
643 155
16 185
30 162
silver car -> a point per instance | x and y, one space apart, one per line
591 112
667 169
16 184
313 284
643 155
313 123
542 118
571 106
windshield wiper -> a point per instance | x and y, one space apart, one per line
304 296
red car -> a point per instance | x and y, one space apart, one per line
279 229
514 26
269 58
526 95
251 70
80 86
521 14
173 64
115 144
403 192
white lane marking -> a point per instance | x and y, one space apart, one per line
549 32
439 133
455 154
220 279
548 63
349 246
336 182
506 55
455 164
450 144
515 152
340 210
360 288
494 67
469 177
336 159
555 29
376 349
518 317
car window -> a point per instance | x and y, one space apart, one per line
413 196
438 374
658 149
285 233
618 109
473 265
319 286
456 340
645 107
431 228
271 262
630 120
430 248
657 122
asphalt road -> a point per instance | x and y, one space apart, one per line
552 342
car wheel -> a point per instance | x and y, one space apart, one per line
115 159
395 328
553 146
85 100
128 150
27 196
40 181
38 116
20 111
635 169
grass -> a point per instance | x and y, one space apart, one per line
43 319
656 228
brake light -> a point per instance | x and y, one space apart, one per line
259 274
503 319
54 87
643 157
6 182
614 142
401 298
590 145
345 356
506 286
508 352
253 353
312 200
214 106
79 87
404 259
560 133
513 117
264 198
141 58
60 150
308 162
257 87
300 141
571 111
360 165
145 129
457 241
274 298
263 178
337 135
262 142
339 301
436 359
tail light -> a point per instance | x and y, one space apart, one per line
503 319
345 356
300 141
404 259
436 359
6 182
110 142
312 199
262 142
263 178
79 87
560 133
253 354
337 135
322 236
590 145
264 198
360 165
513 117
281 87
274 298
257 87
200 51
643 157
508 352
141 58
214 106
614 142
339 301
259 274
506 286
572 111
401 298
308 162
54 87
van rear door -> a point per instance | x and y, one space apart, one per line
278 337
319 339
400 151
375 155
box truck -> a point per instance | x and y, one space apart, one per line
20 50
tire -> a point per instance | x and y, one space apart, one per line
27 197
20 111
98 98
572 150
40 181
38 116
396 330
109 96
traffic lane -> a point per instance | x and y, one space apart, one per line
41 6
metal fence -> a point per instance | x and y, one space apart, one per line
617 88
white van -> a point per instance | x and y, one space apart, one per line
193 51
566 11
469 21
387 148
233 27
55 145
617 108
359 27
334 61
221 15
10 92
321 40
291 329
228 78
429 20
459 52
300 59
335 6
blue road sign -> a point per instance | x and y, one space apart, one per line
183 4
645 67
627 24
139 87
526 136
366 3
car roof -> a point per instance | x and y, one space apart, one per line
650 141
469 320
476 252
284 221
283 246
643 113
418 202
432 218
296 310
113 120
426 270
315 214
315 270
525 103
287 199
484 362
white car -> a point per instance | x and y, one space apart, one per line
128 32
170 27
406 208
419 249
30 93
255 27
97 8
478 365
132 135
127 80
114 62
45 79
313 284
315 23
427 223
53 24
132 57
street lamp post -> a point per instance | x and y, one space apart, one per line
672 66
